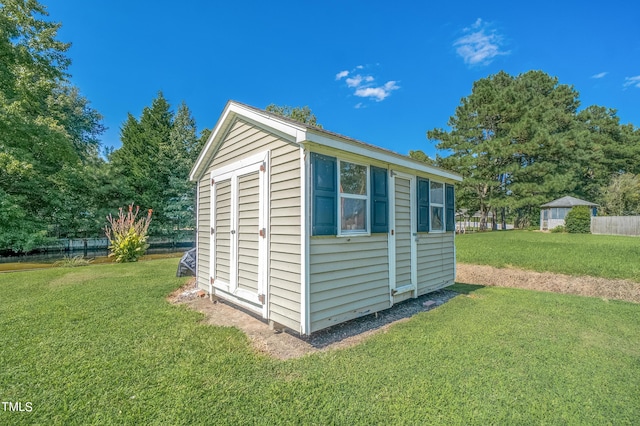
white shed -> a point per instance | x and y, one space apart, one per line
308 228
552 214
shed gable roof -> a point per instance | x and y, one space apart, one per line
569 202
300 133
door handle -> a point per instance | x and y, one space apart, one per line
392 232
233 231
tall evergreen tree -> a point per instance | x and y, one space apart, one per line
477 143
547 150
144 160
613 150
180 194
514 141
154 161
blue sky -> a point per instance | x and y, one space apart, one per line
380 72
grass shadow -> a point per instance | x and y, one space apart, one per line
463 288
375 321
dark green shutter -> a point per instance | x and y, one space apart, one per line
325 194
379 200
423 205
450 207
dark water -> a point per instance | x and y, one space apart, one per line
56 255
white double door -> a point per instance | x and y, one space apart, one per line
239 225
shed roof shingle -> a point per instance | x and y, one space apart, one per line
569 202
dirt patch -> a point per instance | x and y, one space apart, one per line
546 281
286 344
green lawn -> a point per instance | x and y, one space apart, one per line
574 254
100 344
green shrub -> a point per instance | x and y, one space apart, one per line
559 229
578 220
128 235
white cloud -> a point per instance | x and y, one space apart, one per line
342 74
600 74
378 93
632 81
365 86
357 80
480 44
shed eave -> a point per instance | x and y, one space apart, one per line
344 144
232 111
300 133
568 201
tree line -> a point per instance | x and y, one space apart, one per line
54 181
518 141
521 141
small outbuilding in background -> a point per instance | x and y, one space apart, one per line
307 228
553 213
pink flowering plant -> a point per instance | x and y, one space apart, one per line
127 234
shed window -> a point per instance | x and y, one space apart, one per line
436 196
353 197
559 212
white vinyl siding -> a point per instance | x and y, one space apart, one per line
204 232
349 277
284 236
344 276
222 225
436 261
248 231
403 231
241 141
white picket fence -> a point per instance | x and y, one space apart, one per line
616 225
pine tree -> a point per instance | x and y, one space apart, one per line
613 150
144 159
180 194
154 162
514 141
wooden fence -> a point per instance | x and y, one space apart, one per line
616 225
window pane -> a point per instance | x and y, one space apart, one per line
559 212
353 178
437 196
353 214
436 218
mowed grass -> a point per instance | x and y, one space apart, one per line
604 256
100 345
24 266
